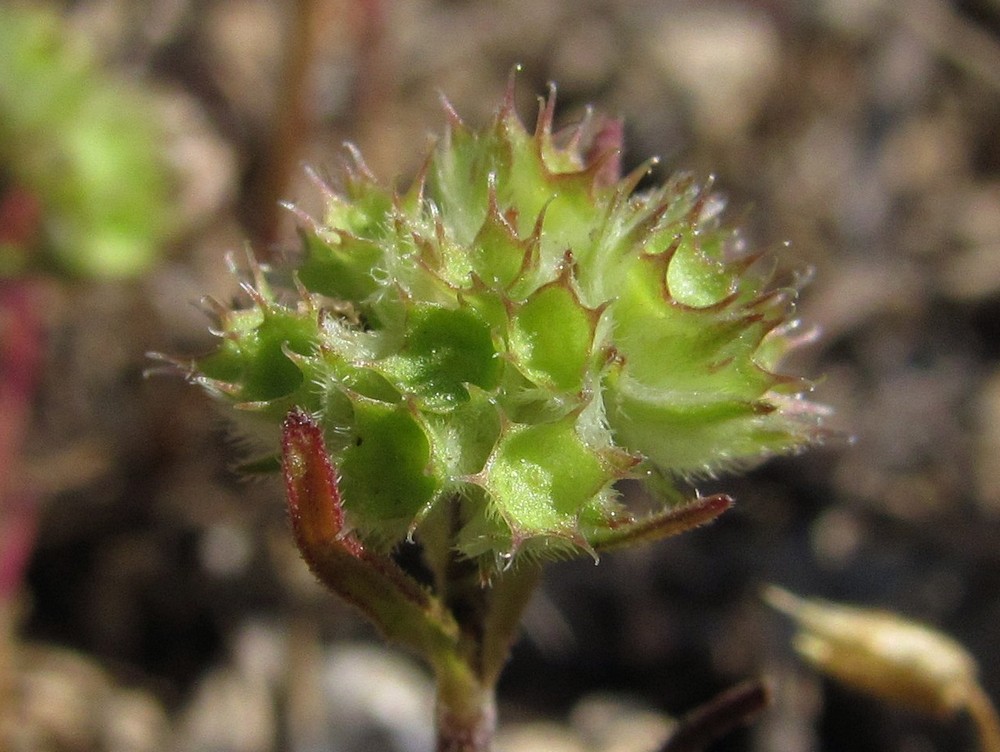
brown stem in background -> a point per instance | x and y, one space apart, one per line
971 48
370 85
372 91
716 718
294 116
21 356
293 124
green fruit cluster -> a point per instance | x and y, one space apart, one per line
514 334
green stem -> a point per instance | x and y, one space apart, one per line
488 615
466 710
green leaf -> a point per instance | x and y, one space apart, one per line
541 476
386 468
255 360
694 279
445 349
341 269
551 338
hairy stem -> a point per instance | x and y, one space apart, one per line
466 710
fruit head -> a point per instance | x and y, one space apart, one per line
514 334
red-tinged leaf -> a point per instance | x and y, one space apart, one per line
396 603
672 521
311 487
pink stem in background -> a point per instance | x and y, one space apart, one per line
18 529
21 336
21 358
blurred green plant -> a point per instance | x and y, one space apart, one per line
471 365
80 153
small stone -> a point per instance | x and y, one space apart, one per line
538 736
724 59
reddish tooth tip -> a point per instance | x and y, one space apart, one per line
453 118
605 152
510 89
546 113
359 161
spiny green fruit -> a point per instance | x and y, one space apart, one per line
511 336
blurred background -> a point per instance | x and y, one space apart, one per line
152 600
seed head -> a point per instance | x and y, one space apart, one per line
514 334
